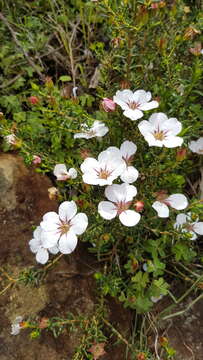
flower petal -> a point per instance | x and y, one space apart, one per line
79 223
162 209
149 105
67 210
129 217
42 256
54 250
172 141
181 219
127 149
133 114
107 210
172 125
89 164
68 243
129 175
72 173
50 238
198 228
34 244
177 201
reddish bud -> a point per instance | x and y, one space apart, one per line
181 154
154 6
36 159
196 50
108 105
85 153
33 100
44 323
141 356
139 205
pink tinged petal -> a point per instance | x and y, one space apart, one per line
107 210
146 128
129 175
42 256
79 223
89 164
172 125
115 193
133 114
127 149
34 245
198 228
68 243
172 141
148 105
54 250
129 218
177 201
162 209
157 119
67 210
60 170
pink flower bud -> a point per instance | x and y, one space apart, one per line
154 6
181 154
36 159
33 100
108 105
139 205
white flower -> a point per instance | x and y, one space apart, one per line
161 131
176 201
105 170
98 129
11 139
197 146
61 172
134 103
61 229
155 299
38 248
15 326
185 224
120 197
127 150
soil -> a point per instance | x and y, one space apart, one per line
68 287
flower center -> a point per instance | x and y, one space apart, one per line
128 159
159 135
64 227
122 206
103 173
133 105
189 227
91 132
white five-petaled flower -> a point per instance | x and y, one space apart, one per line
62 174
11 139
127 150
98 129
105 170
62 229
38 248
176 201
161 131
134 103
197 146
16 326
120 197
185 223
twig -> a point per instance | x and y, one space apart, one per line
27 56
11 81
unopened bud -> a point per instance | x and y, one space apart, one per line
108 105
33 100
53 193
139 205
36 159
181 154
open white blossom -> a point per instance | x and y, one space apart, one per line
62 229
62 174
11 139
185 223
127 150
197 146
15 326
161 131
105 170
176 201
38 248
120 197
134 103
98 129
